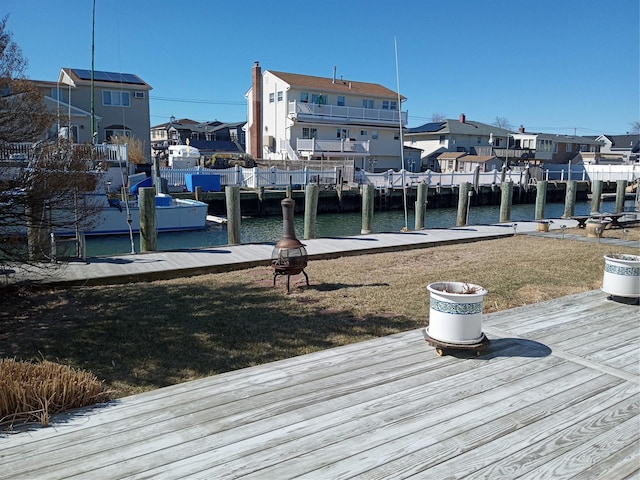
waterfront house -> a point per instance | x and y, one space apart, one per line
550 148
120 105
619 148
302 118
212 139
457 136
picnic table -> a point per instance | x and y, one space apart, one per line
612 219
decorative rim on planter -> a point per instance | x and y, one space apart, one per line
621 275
455 312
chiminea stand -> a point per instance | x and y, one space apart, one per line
288 271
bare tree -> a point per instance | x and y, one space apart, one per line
41 181
438 117
502 122
635 127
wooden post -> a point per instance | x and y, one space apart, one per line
198 192
570 198
37 238
596 195
232 196
621 189
463 202
506 190
368 195
421 205
541 199
148 232
311 193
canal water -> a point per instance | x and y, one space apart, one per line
269 229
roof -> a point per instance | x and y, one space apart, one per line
327 84
455 126
78 76
427 128
477 158
451 155
625 142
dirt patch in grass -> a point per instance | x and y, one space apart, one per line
143 336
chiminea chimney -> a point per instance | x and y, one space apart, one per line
521 129
462 118
255 126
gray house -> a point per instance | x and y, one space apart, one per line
120 106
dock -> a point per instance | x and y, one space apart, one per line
556 395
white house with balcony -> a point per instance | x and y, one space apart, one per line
300 118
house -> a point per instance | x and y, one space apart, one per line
553 148
461 136
120 106
619 148
210 138
301 118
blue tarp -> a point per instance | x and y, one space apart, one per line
147 182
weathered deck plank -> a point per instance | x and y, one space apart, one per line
543 401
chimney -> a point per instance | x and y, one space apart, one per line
462 118
521 129
255 127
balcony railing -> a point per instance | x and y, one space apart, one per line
347 114
318 147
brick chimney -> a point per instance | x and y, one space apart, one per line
462 118
255 125
521 129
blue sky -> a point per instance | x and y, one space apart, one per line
561 66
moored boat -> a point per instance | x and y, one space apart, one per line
114 216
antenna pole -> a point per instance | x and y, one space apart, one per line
93 112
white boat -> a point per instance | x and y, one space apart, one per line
112 218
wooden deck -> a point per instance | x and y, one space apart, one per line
557 395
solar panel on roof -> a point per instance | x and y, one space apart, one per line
113 77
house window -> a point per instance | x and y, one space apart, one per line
318 99
342 133
55 93
367 103
479 140
115 99
304 97
280 96
363 133
374 134
341 101
569 147
272 97
309 132
389 105
442 139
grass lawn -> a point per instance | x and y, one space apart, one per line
142 336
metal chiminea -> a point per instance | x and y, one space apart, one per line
289 257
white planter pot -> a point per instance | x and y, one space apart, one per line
621 275
455 317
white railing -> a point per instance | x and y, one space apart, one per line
317 147
606 173
275 178
347 113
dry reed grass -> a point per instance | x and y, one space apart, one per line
32 392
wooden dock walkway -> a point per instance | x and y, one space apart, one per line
557 395
171 264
